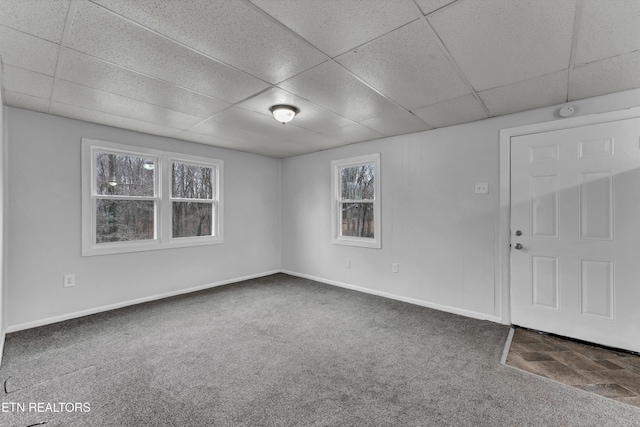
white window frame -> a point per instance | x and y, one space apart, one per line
216 165
163 238
336 201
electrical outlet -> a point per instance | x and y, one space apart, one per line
482 187
69 280
347 263
394 267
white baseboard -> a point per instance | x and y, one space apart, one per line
422 303
69 316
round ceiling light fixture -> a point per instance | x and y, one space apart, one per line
284 113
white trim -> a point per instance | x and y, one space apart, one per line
507 346
88 312
422 303
216 201
69 316
365 242
504 219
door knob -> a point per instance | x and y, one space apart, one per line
518 233
518 246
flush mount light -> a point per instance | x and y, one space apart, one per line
284 113
148 165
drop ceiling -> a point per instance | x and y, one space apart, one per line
208 70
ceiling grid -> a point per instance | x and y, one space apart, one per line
63 43
574 46
207 71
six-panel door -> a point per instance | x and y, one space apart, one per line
575 198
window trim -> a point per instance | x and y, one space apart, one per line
163 200
216 212
336 237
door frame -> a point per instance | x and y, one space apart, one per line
503 242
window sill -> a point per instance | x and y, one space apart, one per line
123 248
357 242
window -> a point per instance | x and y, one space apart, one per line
137 199
356 201
191 199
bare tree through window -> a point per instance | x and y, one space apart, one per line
193 192
122 184
139 198
357 193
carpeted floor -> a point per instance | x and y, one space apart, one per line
282 351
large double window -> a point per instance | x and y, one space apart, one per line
356 201
137 199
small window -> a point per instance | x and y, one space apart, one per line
192 197
125 197
356 201
136 199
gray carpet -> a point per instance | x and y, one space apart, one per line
283 351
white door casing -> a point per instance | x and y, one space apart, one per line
575 196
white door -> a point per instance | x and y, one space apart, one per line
575 199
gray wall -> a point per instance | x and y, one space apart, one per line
44 208
443 236
277 216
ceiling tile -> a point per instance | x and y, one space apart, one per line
296 148
354 133
499 42
262 146
318 141
408 54
396 122
310 116
281 153
607 29
248 127
99 117
233 32
27 82
85 97
334 88
225 131
260 124
428 6
335 26
175 68
27 102
102 34
98 74
527 95
214 140
44 19
28 52
452 112
606 76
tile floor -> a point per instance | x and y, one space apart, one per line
605 372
